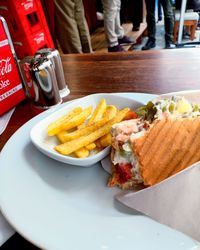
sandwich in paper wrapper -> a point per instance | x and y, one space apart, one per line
159 153
163 140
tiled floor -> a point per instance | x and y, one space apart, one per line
160 41
99 42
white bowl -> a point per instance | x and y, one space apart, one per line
46 143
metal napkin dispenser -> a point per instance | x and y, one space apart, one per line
46 92
53 55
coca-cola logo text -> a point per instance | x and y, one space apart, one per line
27 4
5 66
4 84
39 38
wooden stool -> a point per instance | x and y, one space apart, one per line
190 21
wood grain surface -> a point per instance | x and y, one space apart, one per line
156 71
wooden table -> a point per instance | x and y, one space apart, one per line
143 71
156 71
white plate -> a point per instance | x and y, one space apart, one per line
65 207
46 143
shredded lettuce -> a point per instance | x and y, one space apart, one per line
147 111
177 106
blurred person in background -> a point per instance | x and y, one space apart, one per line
159 11
113 30
151 24
71 27
137 14
132 11
99 9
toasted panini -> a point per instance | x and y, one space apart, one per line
174 147
161 142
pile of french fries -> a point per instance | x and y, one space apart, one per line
82 131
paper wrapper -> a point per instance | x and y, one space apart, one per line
175 201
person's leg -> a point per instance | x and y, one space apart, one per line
118 28
66 28
82 27
151 25
137 14
169 21
159 11
110 13
113 30
151 21
122 39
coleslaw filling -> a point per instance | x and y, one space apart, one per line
124 158
175 107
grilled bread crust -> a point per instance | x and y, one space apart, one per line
169 146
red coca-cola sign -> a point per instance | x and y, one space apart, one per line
11 90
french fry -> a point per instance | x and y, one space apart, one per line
97 115
82 152
105 140
77 120
55 126
110 112
81 126
61 136
84 131
71 146
98 112
91 146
